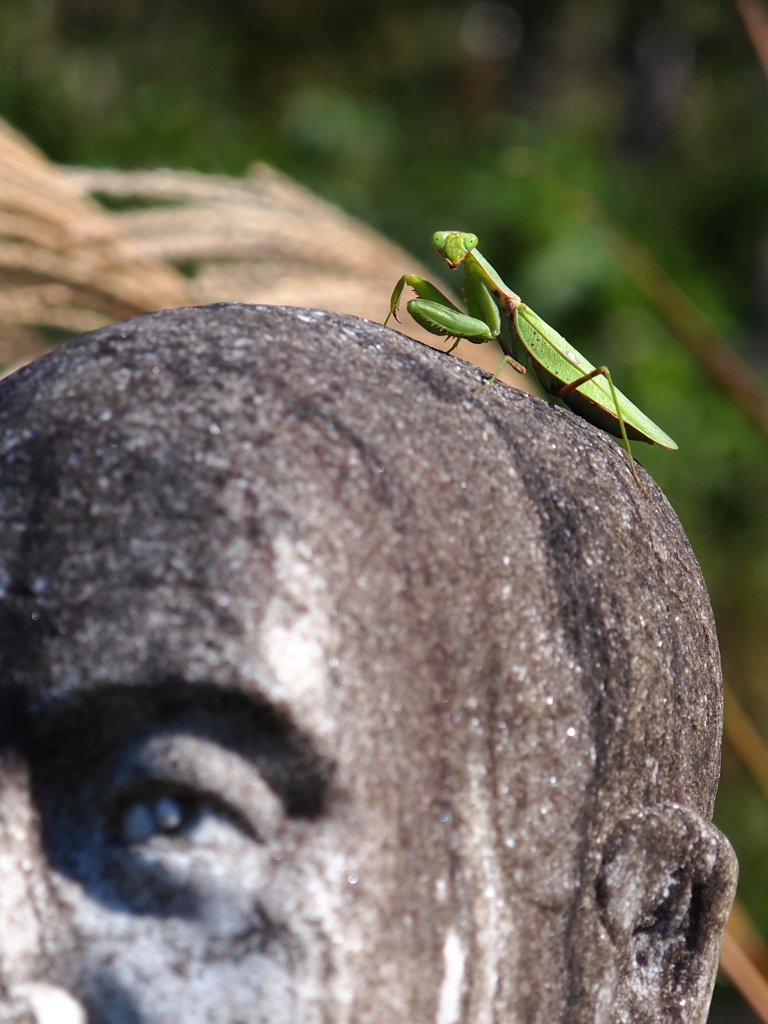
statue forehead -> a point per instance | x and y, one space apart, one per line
181 480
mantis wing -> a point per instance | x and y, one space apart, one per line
561 364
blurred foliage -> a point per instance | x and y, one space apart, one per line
418 114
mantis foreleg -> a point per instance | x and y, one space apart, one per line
437 314
423 289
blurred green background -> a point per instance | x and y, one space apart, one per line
503 118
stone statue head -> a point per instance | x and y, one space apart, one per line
333 691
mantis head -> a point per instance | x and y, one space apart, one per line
453 246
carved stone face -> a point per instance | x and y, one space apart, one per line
334 692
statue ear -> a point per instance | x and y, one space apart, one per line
664 889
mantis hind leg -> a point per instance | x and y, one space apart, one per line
603 371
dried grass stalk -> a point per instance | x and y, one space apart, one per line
169 238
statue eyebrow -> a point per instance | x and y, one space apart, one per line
88 727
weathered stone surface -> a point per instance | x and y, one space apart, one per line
334 690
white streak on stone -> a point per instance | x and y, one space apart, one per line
449 1005
51 1004
296 637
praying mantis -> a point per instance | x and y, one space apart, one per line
496 313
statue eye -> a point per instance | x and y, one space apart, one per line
161 815
176 790
196 818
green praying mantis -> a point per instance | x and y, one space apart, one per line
496 313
